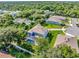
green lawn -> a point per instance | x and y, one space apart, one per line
54 36
52 26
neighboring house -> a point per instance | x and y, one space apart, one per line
3 55
39 30
14 13
4 11
1 12
22 20
74 29
27 21
60 40
47 12
19 20
70 41
55 19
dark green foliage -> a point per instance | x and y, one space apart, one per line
6 20
9 34
17 53
26 45
47 7
50 36
35 11
63 51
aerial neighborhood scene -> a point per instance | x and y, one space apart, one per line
39 29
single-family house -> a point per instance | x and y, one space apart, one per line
60 40
55 19
1 12
47 12
14 13
4 11
70 41
38 30
27 21
73 30
22 20
19 20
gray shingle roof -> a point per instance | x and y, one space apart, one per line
56 18
73 31
59 40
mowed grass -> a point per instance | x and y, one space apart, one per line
54 36
53 26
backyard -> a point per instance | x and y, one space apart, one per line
52 26
54 36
